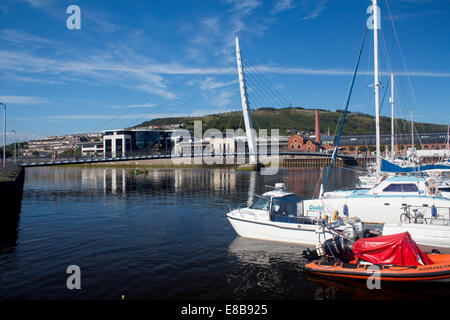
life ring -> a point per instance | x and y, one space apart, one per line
432 189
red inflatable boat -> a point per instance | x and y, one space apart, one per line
388 258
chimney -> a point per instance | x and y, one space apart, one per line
317 133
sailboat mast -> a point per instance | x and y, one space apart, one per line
413 146
376 83
245 108
392 118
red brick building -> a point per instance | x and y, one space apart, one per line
299 143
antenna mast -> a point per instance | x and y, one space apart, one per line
392 118
376 19
246 109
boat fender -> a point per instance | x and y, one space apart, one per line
433 211
433 189
335 216
345 210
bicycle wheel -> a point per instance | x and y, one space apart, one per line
404 218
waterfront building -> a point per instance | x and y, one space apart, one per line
92 148
126 142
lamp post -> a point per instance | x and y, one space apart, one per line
4 134
15 160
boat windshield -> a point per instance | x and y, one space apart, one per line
261 204
287 206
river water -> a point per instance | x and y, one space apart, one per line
162 235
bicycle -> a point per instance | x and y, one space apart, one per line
416 217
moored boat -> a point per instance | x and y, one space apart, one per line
277 215
437 270
388 258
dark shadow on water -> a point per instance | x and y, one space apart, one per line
11 202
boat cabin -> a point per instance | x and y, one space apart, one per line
283 206
406 185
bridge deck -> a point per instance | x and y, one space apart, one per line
170 156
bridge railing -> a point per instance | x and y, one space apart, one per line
62 159
10 167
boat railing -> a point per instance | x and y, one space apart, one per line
425 215
243 211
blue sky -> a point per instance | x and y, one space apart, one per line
136 60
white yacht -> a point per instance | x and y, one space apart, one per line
437 178
382 203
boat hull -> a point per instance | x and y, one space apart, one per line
275 231
439 270
423 234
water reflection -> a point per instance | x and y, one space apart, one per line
274 268
263 253
159 235
68 181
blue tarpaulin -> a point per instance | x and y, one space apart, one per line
387 166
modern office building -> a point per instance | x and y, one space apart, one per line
126 142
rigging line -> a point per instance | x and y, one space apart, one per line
402 56
384 95
170 101
114 118
181 104
240 121
146 115
258 80
253 92
125 112
272 100
345 110
277 97
267 91
386 53
269 84
257 89
260 98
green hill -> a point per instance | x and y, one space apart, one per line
297 118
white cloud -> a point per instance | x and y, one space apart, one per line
282 5
223 98
142 105
211 83
16 36
312 8
23 100
244 6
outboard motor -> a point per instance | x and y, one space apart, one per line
337 248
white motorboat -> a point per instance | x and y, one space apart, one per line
277 215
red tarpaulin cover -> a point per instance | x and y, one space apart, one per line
397 249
